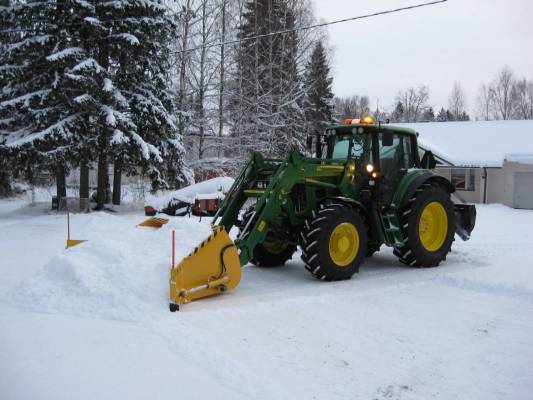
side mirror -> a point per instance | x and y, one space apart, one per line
428 160
387 139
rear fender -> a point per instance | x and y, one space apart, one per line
406 190
465 214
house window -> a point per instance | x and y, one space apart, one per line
471 180
464 179
459 178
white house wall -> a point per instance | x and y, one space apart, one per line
509 171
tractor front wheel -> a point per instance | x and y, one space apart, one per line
272 253
428 223
334 242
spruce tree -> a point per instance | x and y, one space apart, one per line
442 116
319 95
87 81
429 115
139 50
398 113
266 96
42 123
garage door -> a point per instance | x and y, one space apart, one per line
523 190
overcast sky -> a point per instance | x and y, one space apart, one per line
461 40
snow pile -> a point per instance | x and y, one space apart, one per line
215 188
120 272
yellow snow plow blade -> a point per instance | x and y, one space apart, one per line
211 268
154 222
73 242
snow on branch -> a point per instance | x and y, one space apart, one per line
60 127
146 148
89 63
92 21
84 98
71 51
119 137
41 39
128 37
86 5
110 118
25 98
108 85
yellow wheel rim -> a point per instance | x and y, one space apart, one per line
274 246
433 226
344 244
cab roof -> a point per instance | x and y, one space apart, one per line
383 127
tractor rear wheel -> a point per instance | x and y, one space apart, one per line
428 223
334 242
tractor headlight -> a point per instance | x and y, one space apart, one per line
369 168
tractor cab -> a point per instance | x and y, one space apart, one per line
381 153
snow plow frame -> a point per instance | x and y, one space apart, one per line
200 274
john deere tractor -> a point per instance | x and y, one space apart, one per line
366 187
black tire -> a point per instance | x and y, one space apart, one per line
315 241
273 252
413 252
372 248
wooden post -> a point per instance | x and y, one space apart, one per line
68 225
173 247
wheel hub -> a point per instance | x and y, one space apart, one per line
344 244
433 226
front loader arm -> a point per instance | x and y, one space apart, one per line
292 170
214 265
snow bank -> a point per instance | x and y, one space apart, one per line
120 272
459 331
211 188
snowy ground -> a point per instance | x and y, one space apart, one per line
92 322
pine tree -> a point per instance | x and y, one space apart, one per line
266 96
37 92
88 81
319 95
398 113
442 116
449 116
139 46
429 115
6 120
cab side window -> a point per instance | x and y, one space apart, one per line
409 158
399 155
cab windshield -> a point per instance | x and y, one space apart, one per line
352 146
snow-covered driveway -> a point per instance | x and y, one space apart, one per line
92 322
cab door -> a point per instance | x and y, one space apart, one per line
396 156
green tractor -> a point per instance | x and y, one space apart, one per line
366 187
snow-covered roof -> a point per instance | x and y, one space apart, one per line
519 158
476 143
209 189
